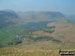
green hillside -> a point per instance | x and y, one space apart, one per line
8 35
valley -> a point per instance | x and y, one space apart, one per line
34 32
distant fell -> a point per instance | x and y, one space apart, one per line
40 16
7 18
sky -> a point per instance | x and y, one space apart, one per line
64 6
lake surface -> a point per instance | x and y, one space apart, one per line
41 24
37 24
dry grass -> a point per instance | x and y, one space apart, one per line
19 51
22 52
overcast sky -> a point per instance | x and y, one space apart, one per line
64 6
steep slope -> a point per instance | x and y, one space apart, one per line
64 31
7 18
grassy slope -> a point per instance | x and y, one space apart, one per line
8 35
16 51
65 31
22 52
